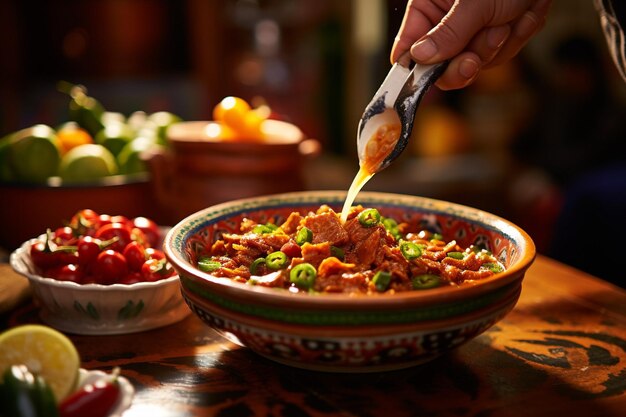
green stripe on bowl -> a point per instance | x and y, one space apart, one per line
346 318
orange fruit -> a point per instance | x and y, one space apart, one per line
71 135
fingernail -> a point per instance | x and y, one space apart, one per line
424 50
497 35
527 25
468 68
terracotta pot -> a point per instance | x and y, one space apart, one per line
26 211
198 171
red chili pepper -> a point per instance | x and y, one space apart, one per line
92 400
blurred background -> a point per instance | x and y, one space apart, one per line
539 141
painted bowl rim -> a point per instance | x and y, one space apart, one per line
226 286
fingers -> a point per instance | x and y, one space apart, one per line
461 72
523 29
420 17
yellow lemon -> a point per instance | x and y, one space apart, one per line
46 352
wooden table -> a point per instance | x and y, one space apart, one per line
560 352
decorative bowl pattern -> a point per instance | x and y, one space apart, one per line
346 333
95 309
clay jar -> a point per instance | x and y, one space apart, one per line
198 171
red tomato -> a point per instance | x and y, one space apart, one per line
139 236
110 267
111 230
149 228
88 248
131 278
153 253
291 249
156 269
69 272
121 219
84 222
104 219
44 256
64 236
135 255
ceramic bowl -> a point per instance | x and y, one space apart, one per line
96 309
343 333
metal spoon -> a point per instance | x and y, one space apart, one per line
394 104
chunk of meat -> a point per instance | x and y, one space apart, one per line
327 227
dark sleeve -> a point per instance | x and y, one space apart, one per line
613 18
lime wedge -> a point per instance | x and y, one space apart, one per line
46 352
87 163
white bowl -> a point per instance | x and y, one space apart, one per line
96 309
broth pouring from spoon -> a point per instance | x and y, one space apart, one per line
383 131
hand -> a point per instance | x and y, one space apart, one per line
473 34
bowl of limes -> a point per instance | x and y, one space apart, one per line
96 159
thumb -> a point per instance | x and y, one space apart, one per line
451 36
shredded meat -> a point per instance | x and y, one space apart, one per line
347 257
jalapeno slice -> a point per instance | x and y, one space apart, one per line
456 255
276 260
369 217
303 275
425 281
410 250
207 264
261 229
337 252
381 280
493 267
254 267
303 236
436 236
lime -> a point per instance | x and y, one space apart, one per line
129 159
46 352
34 153
163 120
86 163
114 136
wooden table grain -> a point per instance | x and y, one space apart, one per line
560 352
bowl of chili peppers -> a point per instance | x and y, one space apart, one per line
395 281
101 274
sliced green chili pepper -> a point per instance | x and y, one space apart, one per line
276 260
26 394
303 236
436 236
381 280
455 255
254 267
337 252
480 250
261 229
392 227
389 223
303 275
410 250
425 281
207 264
493 267
369 217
